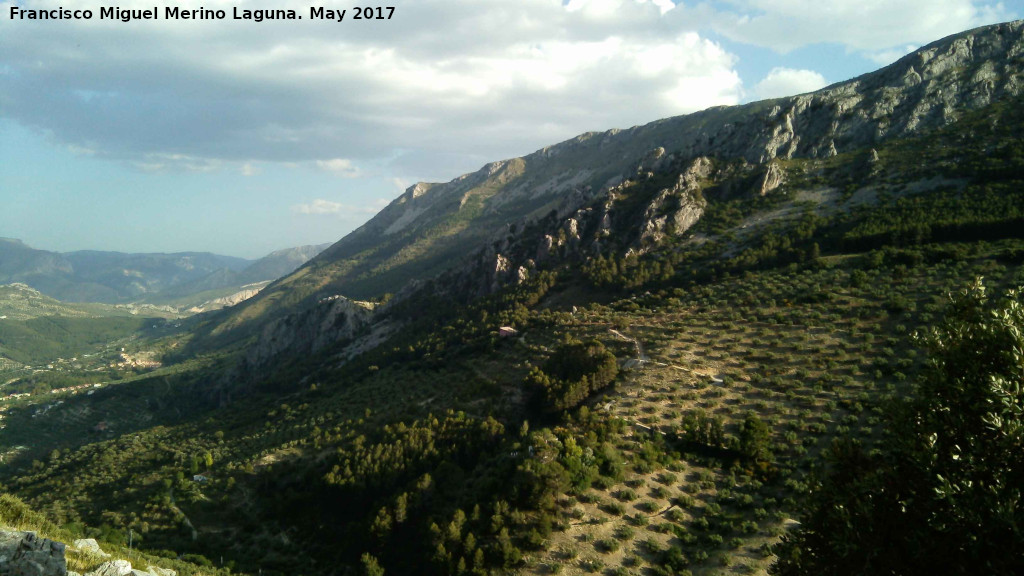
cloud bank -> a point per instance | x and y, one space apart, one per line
863 25
787 82
442 81
319 206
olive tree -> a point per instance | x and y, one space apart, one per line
944 496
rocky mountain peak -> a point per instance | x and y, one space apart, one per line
926 89
576 196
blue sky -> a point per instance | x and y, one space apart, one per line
242 138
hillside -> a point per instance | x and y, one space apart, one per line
706 314
432 227
37 331
33 544
185 279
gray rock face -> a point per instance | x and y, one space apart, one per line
112 568
89 545
501 264
572 229
26 554
773 178
926 89
674 210
225 301
124 568
500 273
545 248
333 318
698 170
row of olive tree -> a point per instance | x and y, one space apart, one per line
945 495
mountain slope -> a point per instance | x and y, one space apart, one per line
432 228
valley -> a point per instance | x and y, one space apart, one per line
710 314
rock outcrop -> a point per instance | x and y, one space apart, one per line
772 179
26 554
225 301
124 568
113 568
90 546
674 210
331 319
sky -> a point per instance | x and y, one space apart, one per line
242 137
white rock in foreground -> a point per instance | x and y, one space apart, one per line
112 568
89 545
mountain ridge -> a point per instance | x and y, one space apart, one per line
433 228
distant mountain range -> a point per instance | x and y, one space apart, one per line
115 277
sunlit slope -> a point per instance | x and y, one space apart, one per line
433 227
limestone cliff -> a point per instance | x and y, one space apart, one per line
333 318
26 554
575 199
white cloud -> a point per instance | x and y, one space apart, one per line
612 8
664 5
787 82
400 183
442 87
79 150
861 25
319 206
445 81
886 57
159 162
341 166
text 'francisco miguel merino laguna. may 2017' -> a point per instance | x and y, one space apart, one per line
316 13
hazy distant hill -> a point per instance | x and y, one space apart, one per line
227 279
21 263
138 276
115 277
279 263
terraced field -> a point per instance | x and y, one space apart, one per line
814 354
